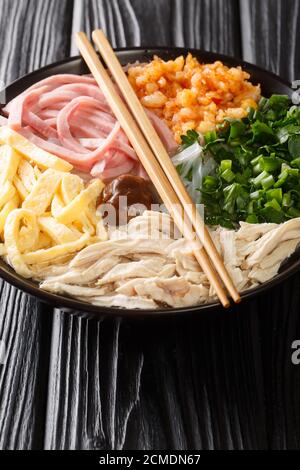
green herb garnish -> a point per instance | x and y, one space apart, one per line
257 176
189 139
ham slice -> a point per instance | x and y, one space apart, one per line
163 131
68 115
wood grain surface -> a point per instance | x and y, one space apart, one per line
219 381
271 35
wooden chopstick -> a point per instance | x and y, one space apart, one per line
148 160
162 156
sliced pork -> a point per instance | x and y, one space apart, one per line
67 115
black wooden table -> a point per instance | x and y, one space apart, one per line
219 381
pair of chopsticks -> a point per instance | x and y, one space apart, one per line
156 160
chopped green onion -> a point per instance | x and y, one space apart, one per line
269 164
255 174
255 160
282 179
268 182
210 136
293 212
256 194
274 204
228 175
210 183
258 180
252 219
275 194
225 165
287 200
296 163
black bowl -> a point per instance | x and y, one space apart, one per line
270 84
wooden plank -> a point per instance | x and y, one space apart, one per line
270 35
25 328
206 24
281 377
32 34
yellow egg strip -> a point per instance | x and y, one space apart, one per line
23 193
54 252
59 233
7 209
71 186
58 214
7 192
91 213
37 172
27 174
73 210
44 241
57 205
11 236
39 199
10 160
31 152
86 224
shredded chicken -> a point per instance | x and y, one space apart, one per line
132 270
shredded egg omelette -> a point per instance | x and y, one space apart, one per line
47 214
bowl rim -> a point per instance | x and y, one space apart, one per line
68 303
147 50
